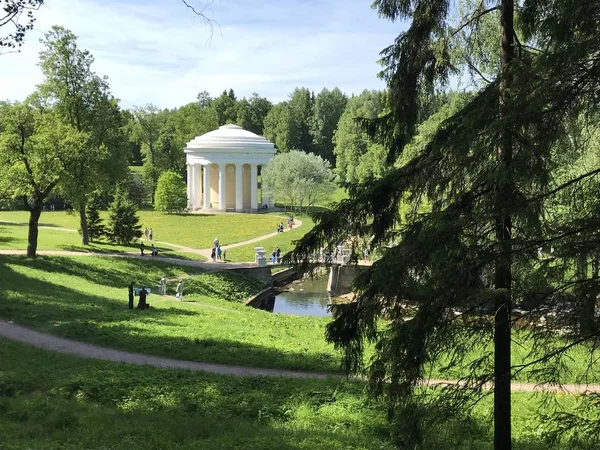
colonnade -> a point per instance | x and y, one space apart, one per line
211 185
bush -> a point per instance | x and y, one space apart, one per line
171 195
124 224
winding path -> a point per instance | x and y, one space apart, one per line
50 342
53 343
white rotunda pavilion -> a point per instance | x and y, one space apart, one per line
222 169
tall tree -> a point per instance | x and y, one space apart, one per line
226 106
83 99
487 171
302 105
35 149
252 113
358 157
146 129
328 108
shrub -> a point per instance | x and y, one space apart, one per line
171 195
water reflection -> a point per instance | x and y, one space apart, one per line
308 297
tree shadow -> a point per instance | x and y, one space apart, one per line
201 410
128 270
78 315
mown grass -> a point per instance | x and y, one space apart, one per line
85 299
14 237
283 240
58 402
190 230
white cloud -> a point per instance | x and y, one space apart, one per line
158 52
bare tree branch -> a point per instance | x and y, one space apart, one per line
210 23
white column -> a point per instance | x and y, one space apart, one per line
197 191
207 169
222 187
189 185
194 188
239 192
253 186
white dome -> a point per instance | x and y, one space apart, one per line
230 137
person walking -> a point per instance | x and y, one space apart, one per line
219 251
130 289
216 242
142 248
213 254
150 233
179 294
278 254
274 256
146 233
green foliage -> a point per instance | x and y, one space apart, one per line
96 228
123 221
35 148
328 108
357 156
171 195
297 178
490 166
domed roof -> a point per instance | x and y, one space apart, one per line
230 137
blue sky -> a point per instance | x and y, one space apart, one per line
159 52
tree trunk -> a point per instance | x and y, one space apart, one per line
32 237
587 321
85 237
503 229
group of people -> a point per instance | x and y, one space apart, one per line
217 253
152 249
148 234
290 223
143 293
276 255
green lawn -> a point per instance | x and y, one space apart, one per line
283 240
57 402
14 237
192 230
85 298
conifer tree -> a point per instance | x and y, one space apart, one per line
96 229
123 221
488 172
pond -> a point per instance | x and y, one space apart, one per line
307 297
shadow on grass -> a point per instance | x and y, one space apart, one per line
70 313
71 403
129 270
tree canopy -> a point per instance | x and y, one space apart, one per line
488 171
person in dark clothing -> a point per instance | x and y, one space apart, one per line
142 303
278 253
141 249
131 295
